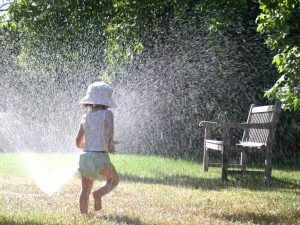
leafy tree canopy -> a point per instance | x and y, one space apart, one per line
118 29
279 21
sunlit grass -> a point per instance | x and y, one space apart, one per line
153 190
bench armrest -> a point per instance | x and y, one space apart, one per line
235 125
248 125
208 124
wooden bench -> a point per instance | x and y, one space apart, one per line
259 132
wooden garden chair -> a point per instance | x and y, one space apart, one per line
259 132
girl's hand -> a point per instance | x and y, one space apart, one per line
112 151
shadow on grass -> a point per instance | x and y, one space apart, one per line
259 218
123 220
114 219
11 221
252 183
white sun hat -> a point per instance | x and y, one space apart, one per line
99 93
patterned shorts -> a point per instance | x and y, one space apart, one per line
91 163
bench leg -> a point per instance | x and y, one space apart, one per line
224 165
205 159
268 165
243 161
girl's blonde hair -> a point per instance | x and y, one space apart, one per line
95 106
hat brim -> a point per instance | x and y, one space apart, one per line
100 101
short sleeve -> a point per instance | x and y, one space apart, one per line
83 119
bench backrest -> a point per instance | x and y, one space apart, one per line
262 114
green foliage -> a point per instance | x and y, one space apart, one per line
119 29
220 14
62 29
109 33
54 31
280 22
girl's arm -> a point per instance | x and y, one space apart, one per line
109 131
80 142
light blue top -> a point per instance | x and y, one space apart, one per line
94 130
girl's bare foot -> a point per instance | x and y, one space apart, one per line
97 201
100 213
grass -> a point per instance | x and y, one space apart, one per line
153 190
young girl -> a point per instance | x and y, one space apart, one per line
95 137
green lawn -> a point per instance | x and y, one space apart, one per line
153 190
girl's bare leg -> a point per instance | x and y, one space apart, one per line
86 189
111 177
